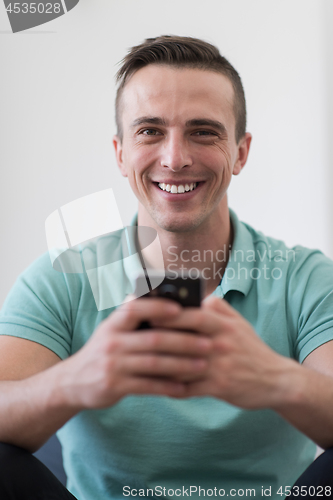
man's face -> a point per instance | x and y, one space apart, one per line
178 133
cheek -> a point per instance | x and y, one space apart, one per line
219 162
140 158
137 163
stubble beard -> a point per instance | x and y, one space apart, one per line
178 223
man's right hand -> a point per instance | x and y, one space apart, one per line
39 393
118 360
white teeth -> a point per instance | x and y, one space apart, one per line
177 189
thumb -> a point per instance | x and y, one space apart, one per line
129 298
219 305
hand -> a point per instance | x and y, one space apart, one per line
118 361
242 369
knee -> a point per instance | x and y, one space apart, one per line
12 456
325 458
319 473
10 450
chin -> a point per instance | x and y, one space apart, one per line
178 224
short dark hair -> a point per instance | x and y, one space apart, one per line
181 51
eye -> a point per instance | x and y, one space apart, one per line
149 132
204 133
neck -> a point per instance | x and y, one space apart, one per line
205 249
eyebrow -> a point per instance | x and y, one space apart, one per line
205 122
152 120
196 122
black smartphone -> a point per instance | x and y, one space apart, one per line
185 290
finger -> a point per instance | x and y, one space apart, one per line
204 321
129 298
156 386
199 388
131 314
162 366
219 305
162 341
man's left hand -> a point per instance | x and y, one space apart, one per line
242 369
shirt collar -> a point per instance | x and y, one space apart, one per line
237 275
238 270
132 263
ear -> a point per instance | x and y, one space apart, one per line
117 144
243 153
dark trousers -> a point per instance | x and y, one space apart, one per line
317 480
24 477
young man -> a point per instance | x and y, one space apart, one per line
225 406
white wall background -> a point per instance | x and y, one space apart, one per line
57 118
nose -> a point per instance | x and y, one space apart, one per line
175 153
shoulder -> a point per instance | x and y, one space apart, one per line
39 271
305 272
40 282
297 257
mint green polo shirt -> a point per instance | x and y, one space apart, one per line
164 447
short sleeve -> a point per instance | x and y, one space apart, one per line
38 308
310 301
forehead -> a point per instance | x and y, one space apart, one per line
176 93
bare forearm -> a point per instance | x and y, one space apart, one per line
306 401
33 409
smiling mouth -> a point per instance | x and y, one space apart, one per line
180 188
